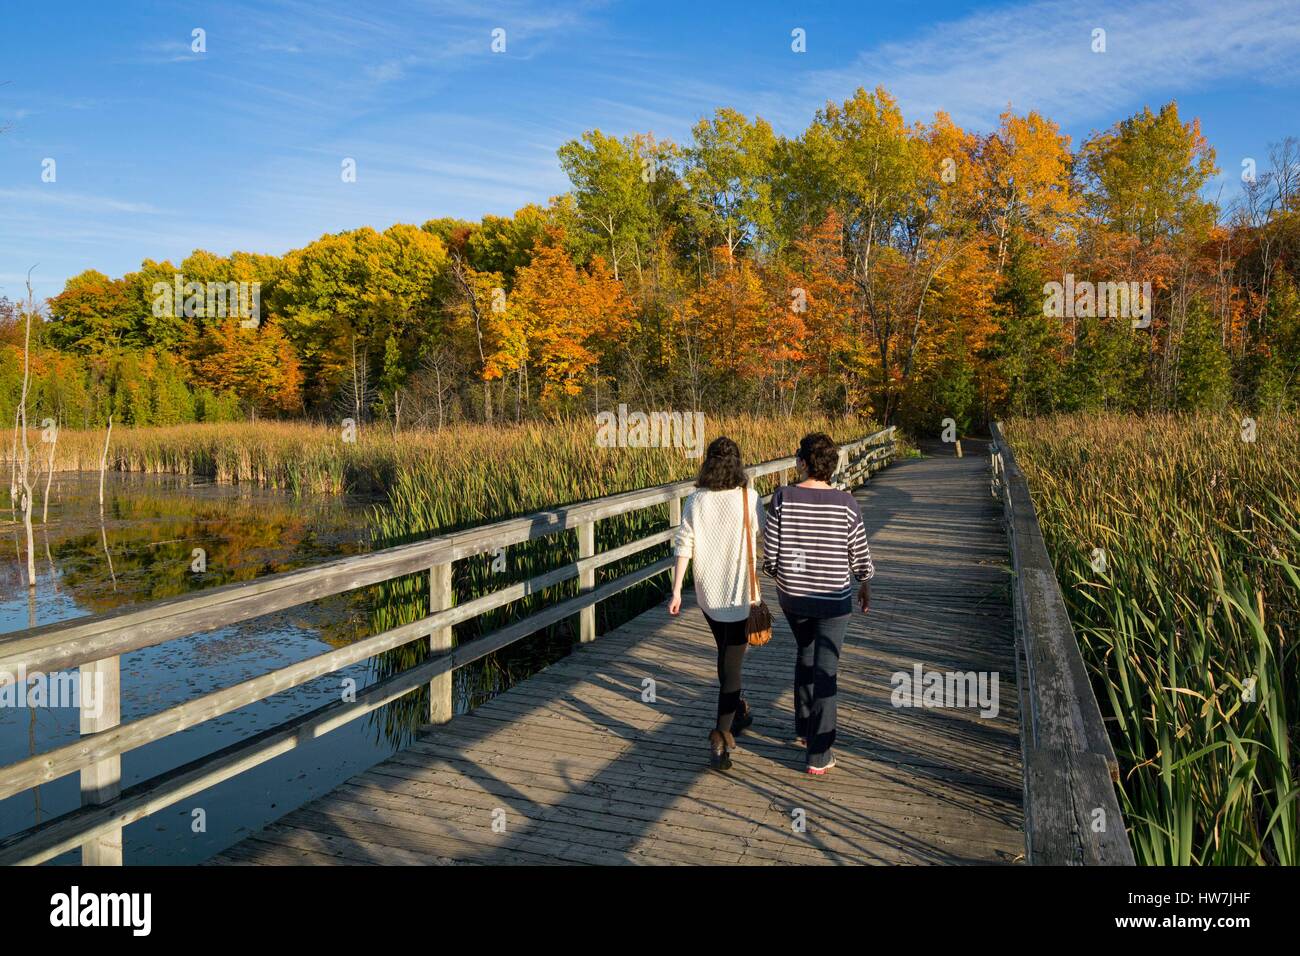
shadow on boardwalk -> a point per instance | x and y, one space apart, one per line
573 766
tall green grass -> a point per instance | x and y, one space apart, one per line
1189 627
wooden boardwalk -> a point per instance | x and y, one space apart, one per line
573 767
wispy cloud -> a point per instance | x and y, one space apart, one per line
168 51
52 194
1040 56
386 71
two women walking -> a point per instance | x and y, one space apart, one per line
814 544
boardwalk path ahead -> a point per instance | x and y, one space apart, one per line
585 772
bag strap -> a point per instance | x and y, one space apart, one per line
748 548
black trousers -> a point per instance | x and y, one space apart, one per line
816 670
732 641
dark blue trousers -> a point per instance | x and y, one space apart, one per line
815 668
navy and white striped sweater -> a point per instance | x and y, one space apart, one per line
813 541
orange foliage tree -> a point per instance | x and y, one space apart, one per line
256 364
571 318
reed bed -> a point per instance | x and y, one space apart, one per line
298 457
1176 540
314 458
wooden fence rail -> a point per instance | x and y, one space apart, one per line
95 645
1072 815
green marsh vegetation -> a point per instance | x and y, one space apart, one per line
1176 540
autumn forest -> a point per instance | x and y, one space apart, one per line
876 265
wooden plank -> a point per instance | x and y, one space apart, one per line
1072 816
685 800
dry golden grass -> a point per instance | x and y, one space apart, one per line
316 458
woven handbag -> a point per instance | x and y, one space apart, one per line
759 626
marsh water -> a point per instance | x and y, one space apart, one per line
162 536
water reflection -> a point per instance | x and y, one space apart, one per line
163 536
144 548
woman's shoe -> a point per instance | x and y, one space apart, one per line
721 743
819 771
743 720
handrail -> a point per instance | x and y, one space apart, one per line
96 642
1072 815
71 643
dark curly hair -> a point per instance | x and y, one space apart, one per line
722 468
820 455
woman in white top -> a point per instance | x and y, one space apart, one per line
712 535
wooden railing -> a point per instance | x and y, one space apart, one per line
1072 815
95 645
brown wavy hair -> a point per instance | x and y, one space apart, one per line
722 467
820 455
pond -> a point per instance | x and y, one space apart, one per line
162 536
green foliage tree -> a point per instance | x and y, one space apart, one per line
610 183
1107 368
1273 370
1027 345
728 170
93 314
1204 380
1145 174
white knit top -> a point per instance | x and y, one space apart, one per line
710 535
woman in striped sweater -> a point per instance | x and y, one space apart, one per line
712 535
814 545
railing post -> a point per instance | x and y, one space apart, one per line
587 581
441 598
674 512
101 709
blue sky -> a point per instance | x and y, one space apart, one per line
160 150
